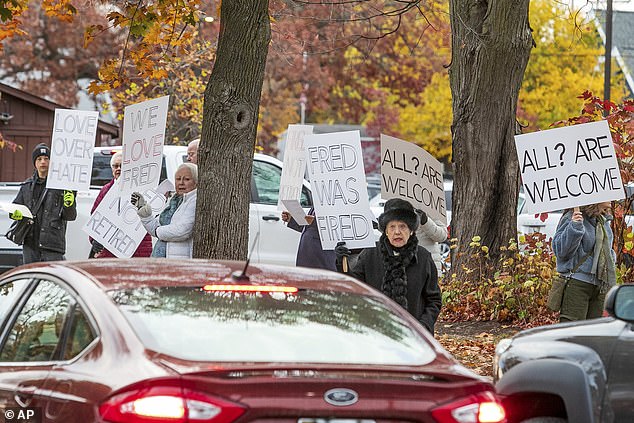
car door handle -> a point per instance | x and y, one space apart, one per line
270 217
24 396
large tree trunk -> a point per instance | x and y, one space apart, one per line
491 43
230 117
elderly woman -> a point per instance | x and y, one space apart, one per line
174 226
583 247
398 266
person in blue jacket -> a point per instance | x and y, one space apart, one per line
583 248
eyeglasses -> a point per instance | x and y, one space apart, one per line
116 166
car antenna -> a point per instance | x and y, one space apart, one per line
243 276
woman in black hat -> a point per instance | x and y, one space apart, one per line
398 266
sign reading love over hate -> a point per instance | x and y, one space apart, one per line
411 173
340 196
568 167
143 138
74 133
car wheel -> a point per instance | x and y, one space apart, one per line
545 420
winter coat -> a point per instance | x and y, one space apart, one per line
49 229
179 234
423 294
310 253
573 241
145 247
429 235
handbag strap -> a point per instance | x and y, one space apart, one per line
39 202
583 260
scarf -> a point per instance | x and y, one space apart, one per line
165 218
602 264
395 261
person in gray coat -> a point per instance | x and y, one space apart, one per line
310 253
398 266
583 248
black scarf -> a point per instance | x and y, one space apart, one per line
395 279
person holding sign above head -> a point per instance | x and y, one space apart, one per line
398 266
310 252
98 251
583 248
51 209
174 227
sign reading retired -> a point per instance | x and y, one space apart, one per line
340 195
568 167
115 223
411 173
74 133
143 138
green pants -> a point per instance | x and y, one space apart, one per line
581 301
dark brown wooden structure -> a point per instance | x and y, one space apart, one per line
27 120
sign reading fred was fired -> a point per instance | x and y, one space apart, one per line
115 223
568 167
340 195
143 138
411 173
74 133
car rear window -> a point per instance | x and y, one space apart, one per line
308 326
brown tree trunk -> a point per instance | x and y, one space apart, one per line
230 117
491 43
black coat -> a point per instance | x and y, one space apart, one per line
310 253
423 294
49 229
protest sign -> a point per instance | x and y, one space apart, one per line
411 173
292 180
115 223
74 133
143 138
568 167
340 196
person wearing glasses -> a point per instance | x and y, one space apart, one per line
98 251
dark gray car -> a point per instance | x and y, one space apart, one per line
577 372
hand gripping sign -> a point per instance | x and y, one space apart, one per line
568 167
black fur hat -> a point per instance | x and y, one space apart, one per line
398 209
40 150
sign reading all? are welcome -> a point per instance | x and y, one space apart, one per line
568 167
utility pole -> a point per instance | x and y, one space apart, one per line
607 76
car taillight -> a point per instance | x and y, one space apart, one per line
479 408
168 405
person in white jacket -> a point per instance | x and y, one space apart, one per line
178 233
429 234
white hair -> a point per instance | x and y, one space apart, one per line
192 168
116 155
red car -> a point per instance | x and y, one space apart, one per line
156 340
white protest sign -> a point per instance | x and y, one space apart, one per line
115 223
340 196
74 134
143 138
12 208
411 173
292 180
568 167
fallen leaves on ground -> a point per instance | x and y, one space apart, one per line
475 353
